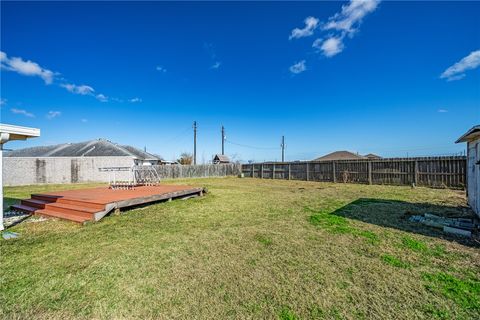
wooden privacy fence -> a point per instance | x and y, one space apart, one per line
192 171
440 172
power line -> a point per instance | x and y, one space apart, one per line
181 134
251 147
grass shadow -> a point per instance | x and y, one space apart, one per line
395 214
7 202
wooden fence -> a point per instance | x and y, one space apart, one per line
439 172
192 171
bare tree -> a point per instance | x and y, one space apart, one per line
185 158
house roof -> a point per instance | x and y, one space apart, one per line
372 156
340 155
92 148
470 134
221 157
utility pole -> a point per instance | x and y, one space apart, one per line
223 140
194 142
283 148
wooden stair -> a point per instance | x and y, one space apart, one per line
60 207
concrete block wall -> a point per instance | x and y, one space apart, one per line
25 171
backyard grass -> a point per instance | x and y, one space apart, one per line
250 248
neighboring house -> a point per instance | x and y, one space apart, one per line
220 158
472 138
168 162
100 148
372 156
340 155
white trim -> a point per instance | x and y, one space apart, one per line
19 133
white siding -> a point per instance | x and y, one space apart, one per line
473 175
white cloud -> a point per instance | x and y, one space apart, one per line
216 65
53 114
457 71
25 67
329 47
342 24
311 24
22 112
351 16
85 90
209 48
84 120
442 110
161 69
298 67
134 100
101 97
30 68
3 102
82 89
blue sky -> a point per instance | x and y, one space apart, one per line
392 78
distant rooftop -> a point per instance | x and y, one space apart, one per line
340 155
92 148
346 155
221 158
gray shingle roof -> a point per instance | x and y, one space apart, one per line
92 148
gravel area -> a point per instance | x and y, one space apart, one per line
13 217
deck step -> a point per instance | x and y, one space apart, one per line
72 209
40 204
24 208
45 197
63 215
84 204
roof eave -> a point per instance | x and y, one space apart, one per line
471 134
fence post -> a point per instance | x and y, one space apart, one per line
369 172
261 171
273 171
334 175
307 172
289 171
415 173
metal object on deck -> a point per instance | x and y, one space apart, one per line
138 176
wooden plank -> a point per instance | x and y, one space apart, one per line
369 173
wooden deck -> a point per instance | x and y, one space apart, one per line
92 204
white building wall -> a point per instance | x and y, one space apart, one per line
473 175
25 171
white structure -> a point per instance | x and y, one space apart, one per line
9 133
472 138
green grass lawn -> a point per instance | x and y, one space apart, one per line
250 248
